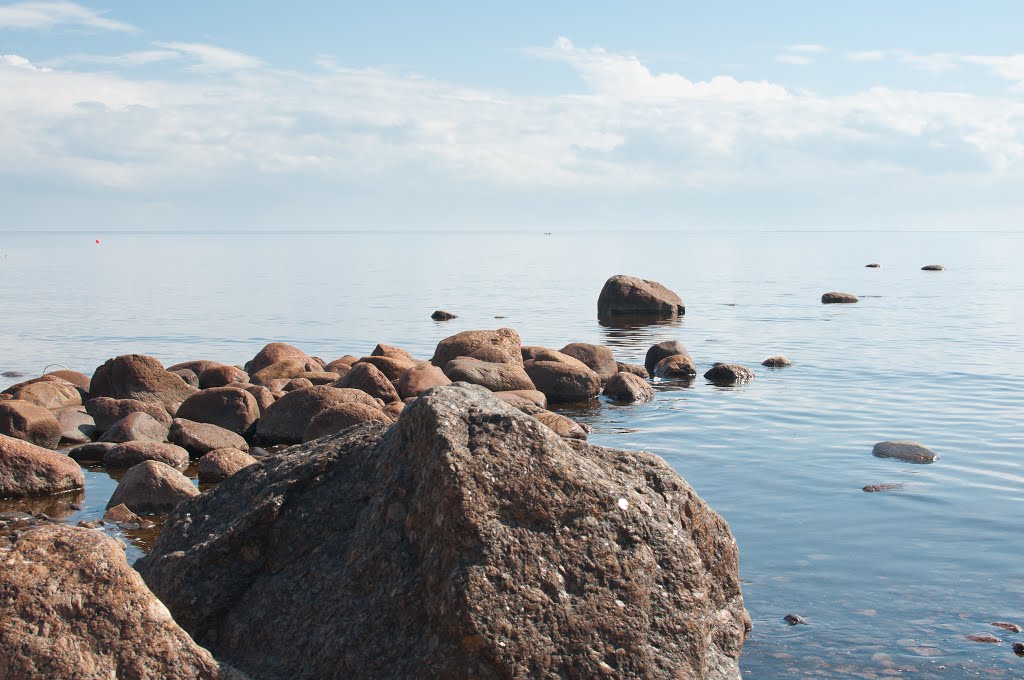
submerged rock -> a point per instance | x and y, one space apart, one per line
676 367
72 608
631 295
905 450
729 374
1006 625
466 541
873 265
933 268
777 362
30 470
835 297
983 637
794 619
441 315
874 488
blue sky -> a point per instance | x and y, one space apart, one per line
868 115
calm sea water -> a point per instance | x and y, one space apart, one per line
889 583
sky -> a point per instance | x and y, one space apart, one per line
528 115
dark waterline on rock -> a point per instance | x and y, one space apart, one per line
887 581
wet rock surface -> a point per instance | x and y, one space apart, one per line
676 367
836 297
777 362
657 352
628 387
466 541
71 607
152 487
729 374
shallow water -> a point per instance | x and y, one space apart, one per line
889 582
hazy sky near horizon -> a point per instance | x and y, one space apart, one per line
792 114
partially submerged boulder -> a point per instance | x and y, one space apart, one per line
629 388
676 367
912 452
28 422
152 487
563 382
778 361
837 297
723 374
668 348
634 296
71 607
466 541
30 470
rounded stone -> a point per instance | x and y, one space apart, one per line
912 452
835 297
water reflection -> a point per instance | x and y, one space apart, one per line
57 506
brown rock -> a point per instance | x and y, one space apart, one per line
392 367
391 351
136 426
201 438
220 376
598 358
93 452
465 343
628 387
189 377
76 427
50 394
152 487
635 369
107 411
130 454
535 397
232 408
137 376
983 637
468 541
30 470
264 397
368 378
562 382
341 417
420 378
777 362
394 410
630 295
874 488
34 424
441 315
561 425
197 366
729 374
495 377
323 378
341 365
73 608
676 367
284 369
1005 625
286 420
496 355
219 464
121 515
81 380
296 384
276 352
664 349
835 297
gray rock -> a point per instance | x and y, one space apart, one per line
136 426
201 438
130 454
76 427
216 466
835 297
933 268
441 315
912 452
466 541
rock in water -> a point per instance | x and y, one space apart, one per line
630 295
933 268
72 608
836 297
30 470
441 315
468 540
729 374
905 450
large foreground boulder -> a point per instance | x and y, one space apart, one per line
29 470
71 607
468 540
630 295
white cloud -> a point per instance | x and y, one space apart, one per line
806 48
213 57
239 122
868 55
47 15
1009 67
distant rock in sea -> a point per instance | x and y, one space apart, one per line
835 297
933 268
912 452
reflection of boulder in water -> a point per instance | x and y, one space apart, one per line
467 540
631 322
57 506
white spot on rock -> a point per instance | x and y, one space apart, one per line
624 504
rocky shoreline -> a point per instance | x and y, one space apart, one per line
411 518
